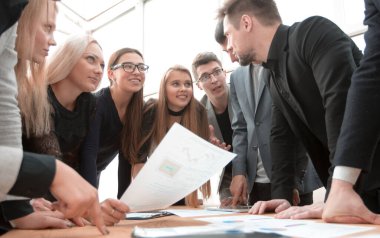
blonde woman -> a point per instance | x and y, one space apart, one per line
74 71
37 173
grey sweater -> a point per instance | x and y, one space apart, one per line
10 120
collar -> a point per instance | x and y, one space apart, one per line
176 114
278 46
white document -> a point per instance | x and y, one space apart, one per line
287 227
180 164
324 230
196 212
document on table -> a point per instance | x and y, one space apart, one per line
180 164
286 227
195 212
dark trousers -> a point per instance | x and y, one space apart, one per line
262 192
306 199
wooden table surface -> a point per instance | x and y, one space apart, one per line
124 229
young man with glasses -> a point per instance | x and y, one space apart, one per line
210 77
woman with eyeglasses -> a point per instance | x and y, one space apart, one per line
176 103
116 125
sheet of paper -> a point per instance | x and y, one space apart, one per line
196 231
234 219
323 230
181 163
195 212
287 227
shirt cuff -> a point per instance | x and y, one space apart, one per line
348 174
35 176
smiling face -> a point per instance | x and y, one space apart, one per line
88 71
179 90
44 35
216 86
128 81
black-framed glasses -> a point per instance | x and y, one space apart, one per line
130 67
217 73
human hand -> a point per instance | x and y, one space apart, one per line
216 141
274 205
41 204
76 198
113 211
226 202
238 190
344 205
302 212
42 220
136 169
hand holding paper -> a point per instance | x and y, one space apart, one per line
181 163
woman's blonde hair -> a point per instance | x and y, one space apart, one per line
67 56
194 118
31 76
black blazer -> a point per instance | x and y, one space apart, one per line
358 144
311 63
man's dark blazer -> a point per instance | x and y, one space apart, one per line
358 144
311 63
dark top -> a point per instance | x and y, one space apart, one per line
102 142
311 63
67 133
68 129
10 11
358 144
71 127
226 130
124 169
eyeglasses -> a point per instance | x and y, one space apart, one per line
130 67
217 73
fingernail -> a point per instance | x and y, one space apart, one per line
105 231
69 224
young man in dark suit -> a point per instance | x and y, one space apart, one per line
311 63
252 103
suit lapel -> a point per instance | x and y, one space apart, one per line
286 93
